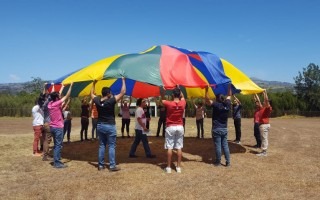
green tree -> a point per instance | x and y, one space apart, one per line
34 86
308 87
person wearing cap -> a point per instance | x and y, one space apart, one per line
220 112
174 127
106 125
141 130
57 123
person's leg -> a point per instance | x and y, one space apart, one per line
237 125
57 138
257 134
37 133
159 127
169 156
135 142
112 138
122 127
225 146
201 127
46 140
102 145
69 130
163 127
127 124
86 128
146 146
82 128
179 154
198 128
217 142
264 131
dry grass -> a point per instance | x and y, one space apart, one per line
291 170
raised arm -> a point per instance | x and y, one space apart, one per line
92 91
257 99
229 94
123 90
266 99
68 93
208 101
237 100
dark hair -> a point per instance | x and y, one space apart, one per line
105 91
139 101
220 98
176 92
54 96
270 102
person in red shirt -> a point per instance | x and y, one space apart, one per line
174 127
256 126
264 115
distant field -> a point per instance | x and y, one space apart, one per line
290 171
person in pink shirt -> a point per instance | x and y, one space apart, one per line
56 125
174 127
256 130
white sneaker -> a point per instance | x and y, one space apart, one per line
167 170
263 153
178 169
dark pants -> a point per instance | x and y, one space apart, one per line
257 134
84 128
140 137
161 122
125 124
199 123
67 129
94 127
237 126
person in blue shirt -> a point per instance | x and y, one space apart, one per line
220 112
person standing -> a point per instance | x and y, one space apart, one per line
162 118
67 120
146 109
106 125
56 124
141 130
94 118
236 115
200 114
220 111
125 109
264 115
46 134
174 130
256 120
84 119
37 124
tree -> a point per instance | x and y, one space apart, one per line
34 86
308 87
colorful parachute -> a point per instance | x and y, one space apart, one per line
161 66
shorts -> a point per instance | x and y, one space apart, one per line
174 137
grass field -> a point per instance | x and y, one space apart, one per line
290 171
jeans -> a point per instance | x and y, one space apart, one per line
67 128
137 139
237 126
257 134
220 139
107 135
57 134
94 127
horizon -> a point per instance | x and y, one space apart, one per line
272 40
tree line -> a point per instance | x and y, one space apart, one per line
304 100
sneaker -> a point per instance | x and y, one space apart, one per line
151 156
178 169
228 164
60 166
167 170
217 164
133 156
114 169
237 142
263 153
100 167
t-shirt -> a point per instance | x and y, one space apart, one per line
236 112
67 115
85 110
56 114
105 110
256 116
174 112
37 114
125 112
140 114
162 111
199 112
220 112
264 115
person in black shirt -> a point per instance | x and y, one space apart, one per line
106 125
162 118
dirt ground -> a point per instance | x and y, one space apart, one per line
290 171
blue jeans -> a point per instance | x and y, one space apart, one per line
57 134
137 139
220 138
107 135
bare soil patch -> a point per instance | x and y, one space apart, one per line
290 171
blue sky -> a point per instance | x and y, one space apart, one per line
267 39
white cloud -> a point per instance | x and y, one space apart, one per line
14 77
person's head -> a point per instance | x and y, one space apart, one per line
125 103
54 96
106 91
84 101
141 102
200 104
176 93
220 98
257 105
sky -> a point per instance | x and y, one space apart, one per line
267 39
